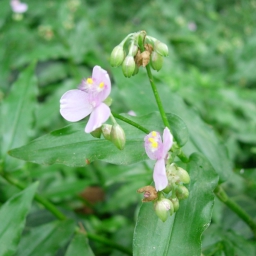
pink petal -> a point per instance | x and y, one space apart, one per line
74 105
18 7
159 175
98 116
101 75
153 153
167 141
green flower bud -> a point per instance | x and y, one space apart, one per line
156 61
106 130
176 204
183 174
117 136
136 70
161 48
168 189
128 66
96 133
134 50
162 207
182 192
117 56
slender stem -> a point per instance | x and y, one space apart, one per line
157 97
221 194
109 243
40 199
130 122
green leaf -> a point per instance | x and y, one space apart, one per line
202 137
12 218
79 246
46 239
73 147
17 115
181 233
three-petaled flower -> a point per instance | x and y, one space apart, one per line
88 99
157 149
18 7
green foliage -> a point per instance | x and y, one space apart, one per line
207 86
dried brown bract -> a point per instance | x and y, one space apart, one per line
150 193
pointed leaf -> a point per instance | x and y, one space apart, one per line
79 246
12 218
181 233
73 147
17 115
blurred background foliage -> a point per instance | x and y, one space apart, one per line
211 65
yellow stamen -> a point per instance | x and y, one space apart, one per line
101 85
154 143
89 81
154 134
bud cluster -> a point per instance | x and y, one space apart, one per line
166 202
136 50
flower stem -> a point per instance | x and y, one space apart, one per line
221 194
157 97
128 121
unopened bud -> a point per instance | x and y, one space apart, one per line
162 207
161 48
106 130
96 133
182 192
183 174
134 50
136 70
168 189
128 66
117 136
150 193
108 101
156 61
117 56
176 204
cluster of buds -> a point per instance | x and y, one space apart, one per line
138 49
166 202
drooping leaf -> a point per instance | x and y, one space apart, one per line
46 239
17 115
73 147
12 219
79 246
181 233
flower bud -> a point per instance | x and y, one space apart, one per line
96 133
161 48
117 136
106 130
108 101
136 70
128 66
176 204
182 192
156 61
168 189
117 56
162 207
183 175
134 50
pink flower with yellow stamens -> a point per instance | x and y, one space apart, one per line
157 149
88 100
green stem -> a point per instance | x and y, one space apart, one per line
40 199
157 97
221 194
130 122
109 243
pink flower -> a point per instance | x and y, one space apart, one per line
18 7
77 104
157 149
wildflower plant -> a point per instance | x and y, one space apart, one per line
182 175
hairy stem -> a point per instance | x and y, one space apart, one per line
221 194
